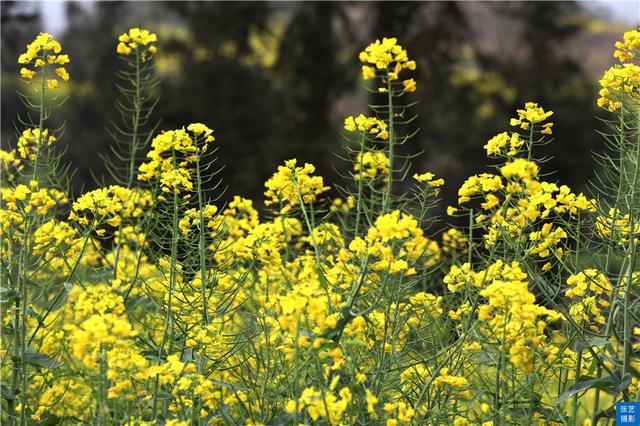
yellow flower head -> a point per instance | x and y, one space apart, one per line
521 168
628 48
531 114
429 179
175 176
30 140
388 57
621 83
371 126
109 205
139 41
371 164
479 184
291 183
409 85
498 144
43 51
201 130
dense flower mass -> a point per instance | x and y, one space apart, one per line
389 58
151 301
516 201
109 206
44 53
139 41
370 126
370 165
31 140
617 226
629 48
497 144
175 174
620 84
429 179
532 114
293 186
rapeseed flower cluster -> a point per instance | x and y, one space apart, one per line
293 186
173 156
370 126
497 144
429 179
139 41
620 84
44 51
30 139
371 164
516 202
530 115
109 206
387 60
24 155
616 226
589 289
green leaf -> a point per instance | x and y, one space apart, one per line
227 385
5 391
607 383
39 359
7 295
163 396
49 420
281 420
35 315
624 383
608 413
324 284
59 300
336 332
592 343
578 387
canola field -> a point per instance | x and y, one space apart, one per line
152 302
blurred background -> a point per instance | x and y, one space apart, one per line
276 79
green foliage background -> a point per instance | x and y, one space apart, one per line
274 79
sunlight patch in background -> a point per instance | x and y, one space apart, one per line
623 12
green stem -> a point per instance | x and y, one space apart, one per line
168 320
133 148
19 366
530 143
201 243
15 367
41 117
360 176
308 223
632 254
497 401
574 415
387 195
136 124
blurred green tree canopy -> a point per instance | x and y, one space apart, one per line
275 79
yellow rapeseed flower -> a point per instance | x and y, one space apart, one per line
139 41
40 52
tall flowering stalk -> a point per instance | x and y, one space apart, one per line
371 166
386 60
177 170
29 205
616 225
42 66
136 48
